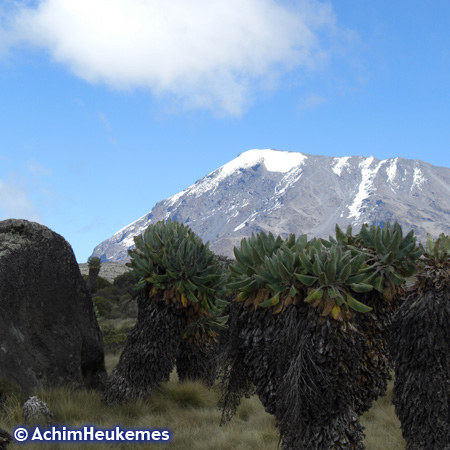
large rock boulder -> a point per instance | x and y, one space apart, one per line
49 334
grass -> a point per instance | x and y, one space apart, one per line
190 411
382 426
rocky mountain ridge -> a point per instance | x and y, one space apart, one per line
108 270
291 192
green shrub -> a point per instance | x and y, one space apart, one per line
128 306
125 283
100 282
114 338
110 292
9 389
103 306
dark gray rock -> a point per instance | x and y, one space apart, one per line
49 334
5 439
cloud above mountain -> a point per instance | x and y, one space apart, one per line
203 53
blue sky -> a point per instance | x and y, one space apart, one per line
109 106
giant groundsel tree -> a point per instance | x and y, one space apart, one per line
298 329
180 281
420 345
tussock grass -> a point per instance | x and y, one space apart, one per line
121 322
190 411
111 360
382 426
189 394
11 411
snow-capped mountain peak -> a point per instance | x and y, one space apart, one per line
291 192
273 160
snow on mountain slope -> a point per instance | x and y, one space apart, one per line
289 192
273 162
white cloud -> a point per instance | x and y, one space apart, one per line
312 101
204 53
15 203
107 125
36 169
25 197
104 120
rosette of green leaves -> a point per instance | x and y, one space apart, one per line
208 326
94 262
278 287
390 256
344 238
251 253
250 274
170 259
249 258
332 275
434 266
317 271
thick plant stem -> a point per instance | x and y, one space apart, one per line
316 395
376 364
420 346
93 275
149 354
303 368
197 361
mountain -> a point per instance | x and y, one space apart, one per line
289 192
